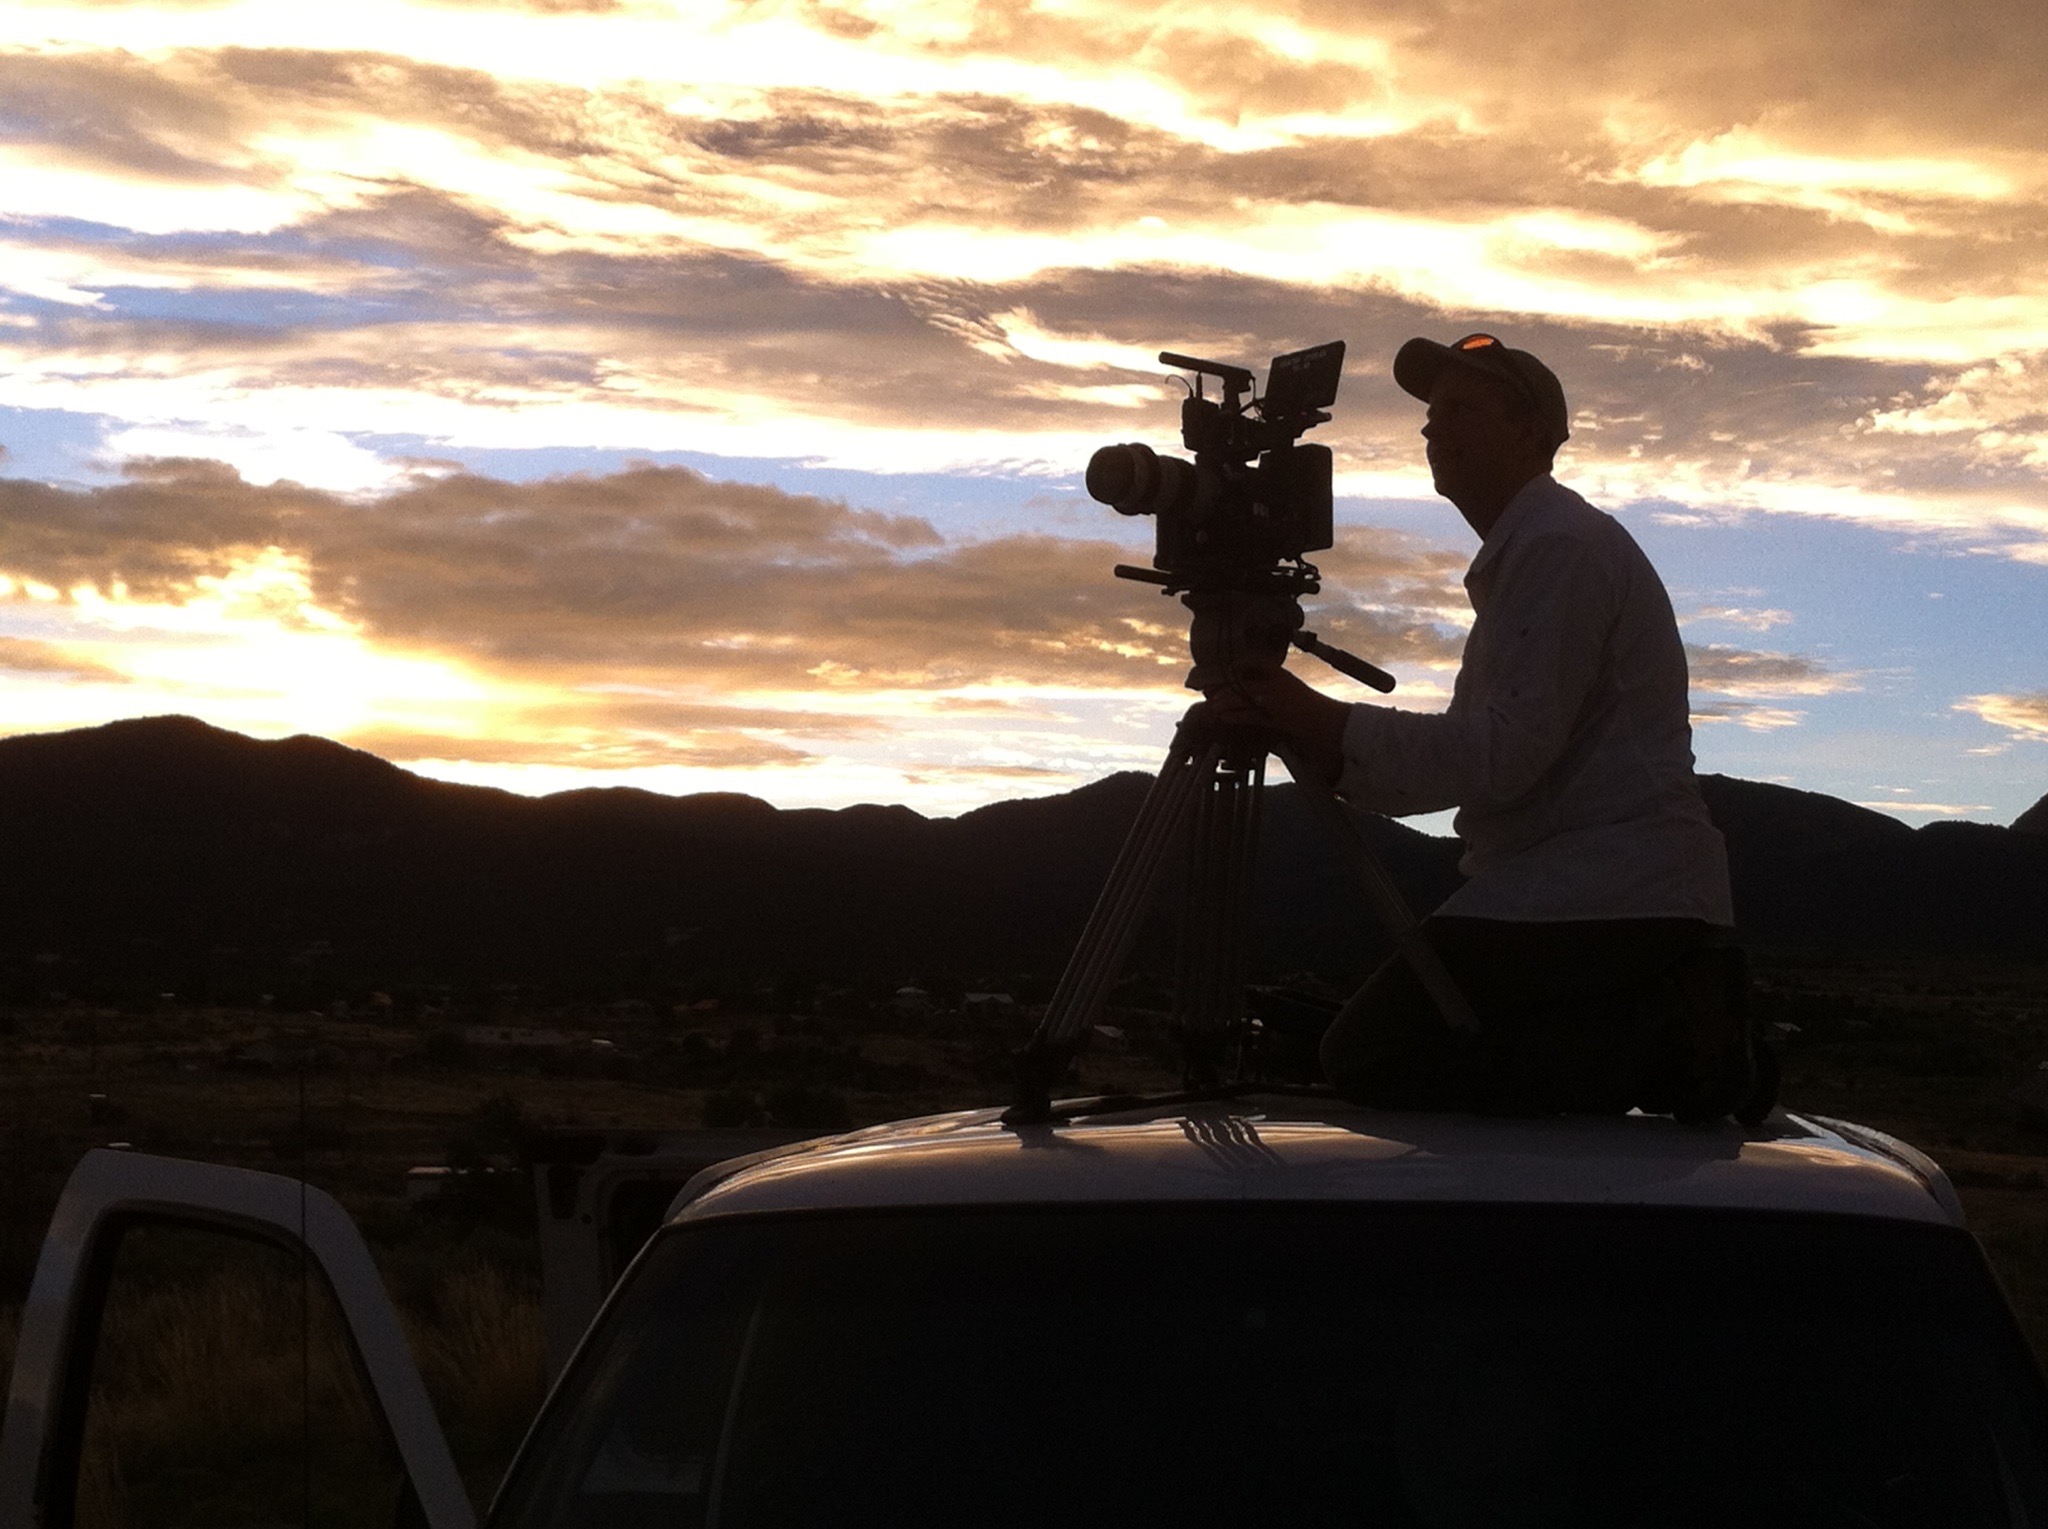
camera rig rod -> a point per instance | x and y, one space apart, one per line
1235 379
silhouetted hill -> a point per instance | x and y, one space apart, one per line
2034 820
163 854
1810 870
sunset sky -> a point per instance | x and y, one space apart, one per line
694 395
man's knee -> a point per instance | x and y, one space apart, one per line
1346 1049
1569 1023
1344 1060
1390 1048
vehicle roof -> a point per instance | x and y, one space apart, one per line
1276 1148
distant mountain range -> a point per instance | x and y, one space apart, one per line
164 855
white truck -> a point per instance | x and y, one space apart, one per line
1260 1309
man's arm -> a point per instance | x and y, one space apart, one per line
1513 714
1548 629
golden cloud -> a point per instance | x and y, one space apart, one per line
1750 618
2020 715
601 753
1746 673
1752 715
1748 687
952 233
56 660
1934 809
656 576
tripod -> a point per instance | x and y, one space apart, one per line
1208 791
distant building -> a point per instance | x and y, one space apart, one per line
425 1183
512 1038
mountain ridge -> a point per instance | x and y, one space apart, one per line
163 854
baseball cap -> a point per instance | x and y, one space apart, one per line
1419 364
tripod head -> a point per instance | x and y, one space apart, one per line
1238 632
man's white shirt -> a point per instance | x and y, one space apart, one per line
1567 745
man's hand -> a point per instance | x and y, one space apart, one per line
1310 720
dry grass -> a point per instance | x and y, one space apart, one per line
225 1393
10 1338
218 1399
480 1350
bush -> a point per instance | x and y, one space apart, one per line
726 1108
442 1046
801 1107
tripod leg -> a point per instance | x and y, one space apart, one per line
1078 999
1382 893
1209 981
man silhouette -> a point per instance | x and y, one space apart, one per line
1594 872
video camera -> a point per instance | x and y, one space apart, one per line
1236 523
1254 501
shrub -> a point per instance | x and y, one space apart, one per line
729 1107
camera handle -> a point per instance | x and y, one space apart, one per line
1209 788
1345 663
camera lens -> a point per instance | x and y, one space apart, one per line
1135 480
1123 477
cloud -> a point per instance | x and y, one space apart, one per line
796 170
650 625
1746 672
2023 716
1747 617
1747 686
169 523
1934 809
730 353
541 7
1755 717
54 660
978 773
650 616
1931 76
659 569
953 235
598 729
696 750
2000 409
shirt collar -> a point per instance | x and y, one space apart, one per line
1518 510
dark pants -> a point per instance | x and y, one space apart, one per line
1566 1018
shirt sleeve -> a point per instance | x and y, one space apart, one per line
1546 626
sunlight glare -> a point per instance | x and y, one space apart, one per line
253 641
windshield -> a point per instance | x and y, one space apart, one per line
1377 1364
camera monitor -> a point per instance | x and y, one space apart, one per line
1303 381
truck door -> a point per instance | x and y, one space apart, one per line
65 1461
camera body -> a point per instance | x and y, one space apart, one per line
1235 525
1254 501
